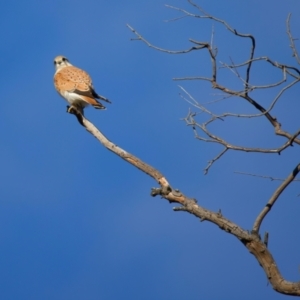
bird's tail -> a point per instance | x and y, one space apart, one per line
99 105
99 96
92 101
103 98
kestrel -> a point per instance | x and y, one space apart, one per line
75 85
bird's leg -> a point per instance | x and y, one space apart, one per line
77 111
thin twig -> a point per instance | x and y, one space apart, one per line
273 199
139 37
292 40
198 105
262 176
273 63
255 87
175 19
210 163
217 139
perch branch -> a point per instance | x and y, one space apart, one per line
250 240
155 174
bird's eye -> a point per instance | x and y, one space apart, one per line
64 59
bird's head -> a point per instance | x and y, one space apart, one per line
61 62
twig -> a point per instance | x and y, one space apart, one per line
273 63
175 19
288 29
216 139
255 87
227 26
273 199
262 176
210 163
139 37
196 104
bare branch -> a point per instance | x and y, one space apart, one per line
140 38
273 63
192 78
175 19
291 75
250 240
216 139
262 176
196 104
212 36
292 40
210 163
155 174
227 26
235 71
224 97
251 87
244 94
273 199
212 138
285 68
241 94
260 108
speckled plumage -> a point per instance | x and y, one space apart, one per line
75 85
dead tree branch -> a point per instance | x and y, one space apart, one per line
251 241
292 40
265 177
243 71
212 138
290 74
273 199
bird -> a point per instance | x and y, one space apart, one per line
75 85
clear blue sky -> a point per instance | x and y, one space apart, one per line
77 222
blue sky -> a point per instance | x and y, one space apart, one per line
76 221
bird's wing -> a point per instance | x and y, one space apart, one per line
99 96
73 80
